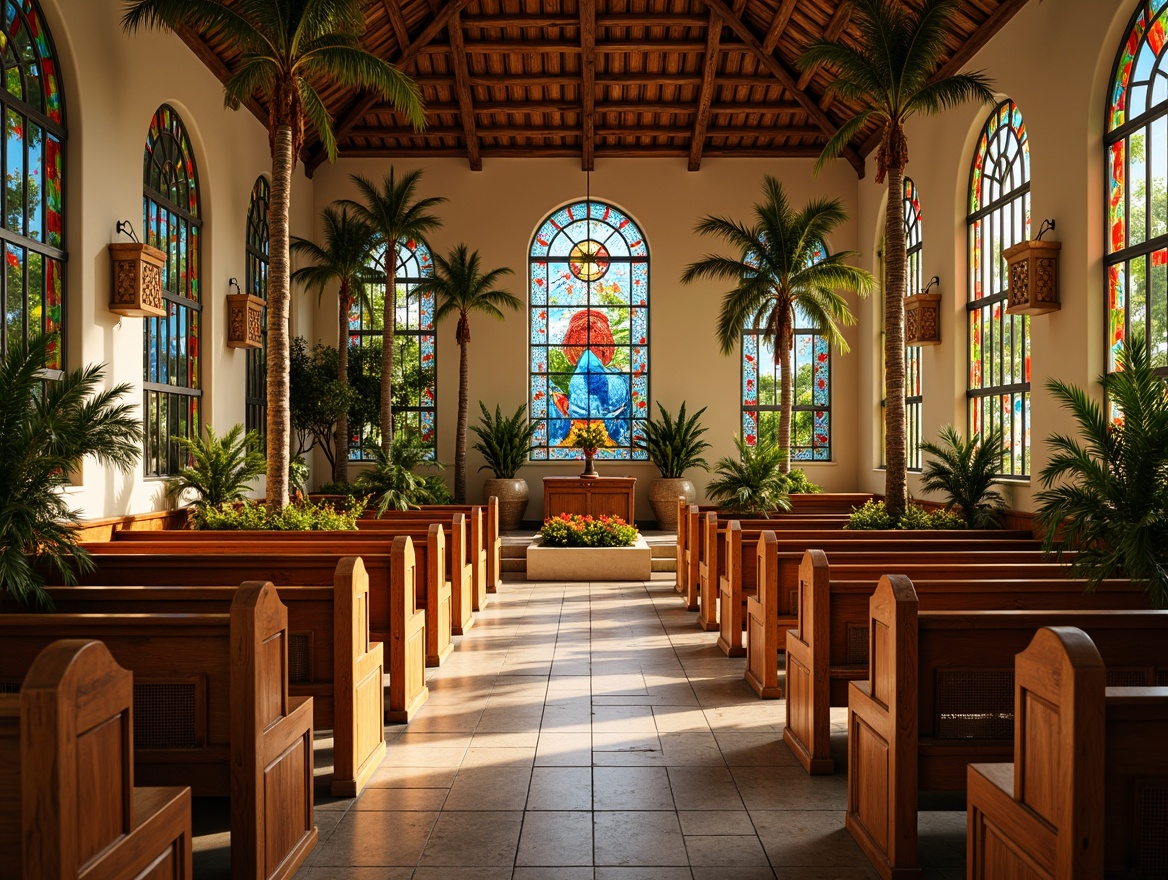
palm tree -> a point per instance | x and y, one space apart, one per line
396 217
285 47
343 259
890 72
221 468
46 430
777 271
462 287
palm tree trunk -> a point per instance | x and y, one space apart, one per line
463 391
345 302
895 454
786 392
279 419
388 326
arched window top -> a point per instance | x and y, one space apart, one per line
169 163
30 64
912 215
1002 164
1139 83
413 261
257 217
570 233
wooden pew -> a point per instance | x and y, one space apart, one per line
829 645
69 809
1087 761
687 542
330 655
940 695
434 589
211 710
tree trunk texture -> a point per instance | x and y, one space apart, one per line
463 391
388 327
786 390
279 418
895 434
341 465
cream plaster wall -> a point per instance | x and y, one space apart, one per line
113 84
1054 59
497 211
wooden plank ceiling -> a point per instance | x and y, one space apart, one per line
589 78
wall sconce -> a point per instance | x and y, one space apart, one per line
245 318
136 291
922 316
1032 270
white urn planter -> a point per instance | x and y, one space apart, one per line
512 495
663 499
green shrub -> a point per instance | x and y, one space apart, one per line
674 445
434 490
337 489
873 515
753 485
504 441
587 531
221 468
946 519
302 516
392 481
966 472
797 482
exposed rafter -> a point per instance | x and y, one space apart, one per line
546 131
706 93
778 26
588 83
222 72
462 92
834 28
397 21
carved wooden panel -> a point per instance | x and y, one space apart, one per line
136 290
922 319
245 321
1033 277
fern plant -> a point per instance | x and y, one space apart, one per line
1106 492
392 481
504 441
753 484
675 445
221 468
966 471
46 430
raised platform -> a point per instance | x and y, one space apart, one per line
590 563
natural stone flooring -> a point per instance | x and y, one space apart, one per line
591 731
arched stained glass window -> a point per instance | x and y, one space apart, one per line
1137 183
256 284
172 224
999 344
811 373
33 229
415 360
589 297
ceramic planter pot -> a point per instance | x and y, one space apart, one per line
663 499
512 495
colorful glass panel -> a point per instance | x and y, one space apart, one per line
588 273
171 359
256 284
415 365
811 374
999 344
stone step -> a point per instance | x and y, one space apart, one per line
514 564
664 563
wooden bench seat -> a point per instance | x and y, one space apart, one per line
1089 766
828 647
331 657
69 809
211 711
940 695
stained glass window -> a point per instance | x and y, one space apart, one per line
171 220
589 302
811 373
256 284
1136 262
415 365
33 155
999 344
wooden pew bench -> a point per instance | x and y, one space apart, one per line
211 711
940 695
330 655
828 648
69 809
1089 761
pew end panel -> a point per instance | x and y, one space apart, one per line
730 588
407 682
808 698
440 594
460 570
711 567
693 528
762 668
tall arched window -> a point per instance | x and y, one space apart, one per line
811 374
256 284
1137 183
33 231
415 365
172 224
589 295
999 344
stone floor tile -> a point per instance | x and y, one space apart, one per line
651 839
727 872
338 873
560 788
448 873
473 839
391 776
710 822
400 799
563 749
631 788
802 838
704 788
361 840
725 850
789 788
489 788
498 758
607 873
623 719
556 839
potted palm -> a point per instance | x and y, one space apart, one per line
966 471
675 446
221 469
753 484
505 441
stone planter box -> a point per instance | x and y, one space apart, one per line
589 563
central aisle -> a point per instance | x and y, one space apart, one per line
589 731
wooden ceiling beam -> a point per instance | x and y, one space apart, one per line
486 131
778 25
784 76
835 27
551 20
611 47
397 22
219 68
705 92
466 113
514 108
588 84
616 151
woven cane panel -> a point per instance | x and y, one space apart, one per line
1129 677
164 715
794 601
1152 826
299 658
975 704
857 644
9 689
1162 678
